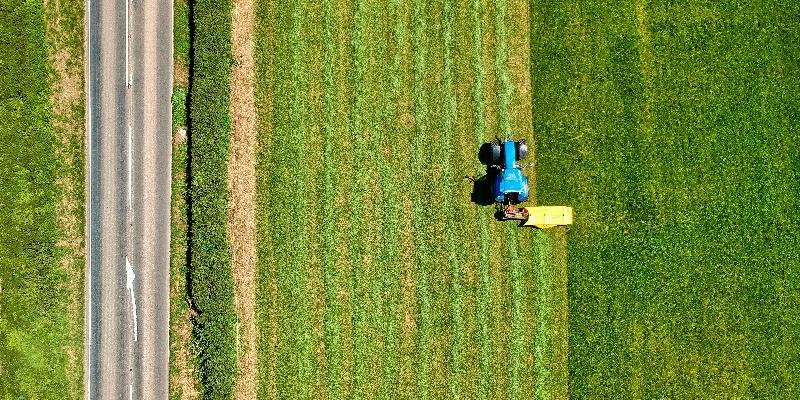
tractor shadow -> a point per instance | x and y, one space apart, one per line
482 190
482 186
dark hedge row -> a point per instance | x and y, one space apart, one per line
210 278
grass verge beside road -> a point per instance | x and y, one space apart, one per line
41 159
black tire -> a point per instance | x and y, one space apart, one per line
497 151
490 153
522 150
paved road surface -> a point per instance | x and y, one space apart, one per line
129 83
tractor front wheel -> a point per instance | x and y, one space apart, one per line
522 150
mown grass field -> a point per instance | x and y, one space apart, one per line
41 186
377 275
672 129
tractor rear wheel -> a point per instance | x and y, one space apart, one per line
490 153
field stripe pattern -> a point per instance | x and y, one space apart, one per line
424 294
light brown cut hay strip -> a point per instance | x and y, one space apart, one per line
241 189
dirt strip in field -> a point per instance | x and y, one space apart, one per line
241 188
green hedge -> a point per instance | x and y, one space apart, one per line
210 278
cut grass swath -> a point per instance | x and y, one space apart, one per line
479 108
358 191
391 253
418 167
504 92
333 331
447 142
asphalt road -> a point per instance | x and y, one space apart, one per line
129 118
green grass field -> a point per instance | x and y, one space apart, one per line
377 275
672 130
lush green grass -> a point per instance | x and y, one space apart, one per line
210 279
672 130
377 276
33 301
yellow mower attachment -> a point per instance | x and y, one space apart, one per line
548 216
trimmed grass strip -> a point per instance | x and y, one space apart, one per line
447 180
479 108
390 256
418 216
333 311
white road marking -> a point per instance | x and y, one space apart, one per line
89 195
129 284
127 44
130 391
130 169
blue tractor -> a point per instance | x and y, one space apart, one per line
509 185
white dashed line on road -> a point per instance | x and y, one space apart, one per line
129 285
